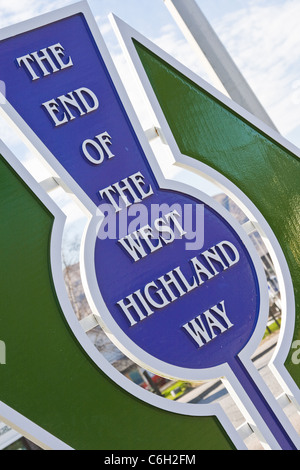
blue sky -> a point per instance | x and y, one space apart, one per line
262 36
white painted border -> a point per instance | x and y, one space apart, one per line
10 416
125 34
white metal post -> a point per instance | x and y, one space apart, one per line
219 64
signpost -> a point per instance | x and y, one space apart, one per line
203 124
184 303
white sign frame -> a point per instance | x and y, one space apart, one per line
187 166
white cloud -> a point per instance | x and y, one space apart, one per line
264 41
14 11
176 46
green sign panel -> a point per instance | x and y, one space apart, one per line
263 168
48 378
211 136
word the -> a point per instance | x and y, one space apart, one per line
46 61
131 187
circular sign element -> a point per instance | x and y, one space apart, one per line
173 306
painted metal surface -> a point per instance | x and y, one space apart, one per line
58 134
49 352
50 386
266 172
117 275
199 122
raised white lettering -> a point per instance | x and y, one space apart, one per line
99 145
76 102
43 61
202 332
126 190
173 285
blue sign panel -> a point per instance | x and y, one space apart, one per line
175 280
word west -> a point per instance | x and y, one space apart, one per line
69 106
160 293
154 238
